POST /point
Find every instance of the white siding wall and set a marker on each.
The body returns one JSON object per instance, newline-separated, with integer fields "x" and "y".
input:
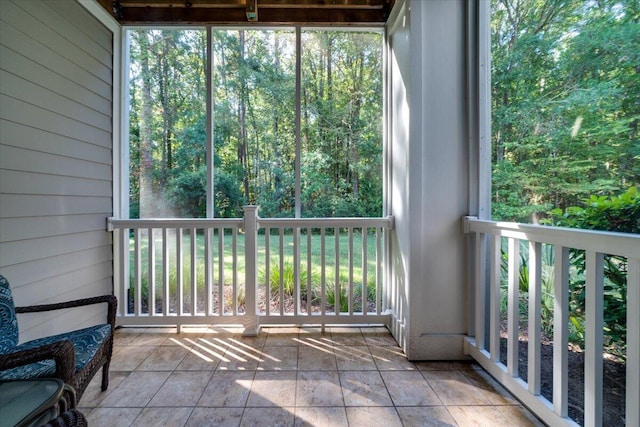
{"x": 55, "y": 158}
{"x": 430, "y": 179}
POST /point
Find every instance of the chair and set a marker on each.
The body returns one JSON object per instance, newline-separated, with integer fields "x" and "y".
{"x": 74, "y": 357}
{"x": 72, "y": 418}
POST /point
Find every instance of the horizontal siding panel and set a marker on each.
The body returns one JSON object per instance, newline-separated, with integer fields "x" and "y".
{"x": 16, "y": 182}
{"x": 32, "y": 161}
{"x": 21, "y": 251}
{"x": 18, "y": 135}
{"x": 86, "y": 24}
{"x": 74, "y": 282}
{"x": 37, "y": 227}
{"x": 37, "y": 325}
{"x": 19, "y": 111}
{"x": 64, "y": 25}
{"x": 47, "y": 269}
{"x": 24, "y": 90}
{"x": 52, "y": 40}
{"x": 31, "y": 71}
{"x": 26, "y": 205}
{"x": 55, "y": 159}
{"x": 23, "y": 44}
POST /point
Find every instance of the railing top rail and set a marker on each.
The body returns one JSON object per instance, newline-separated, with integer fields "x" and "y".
{"x": 326, "y": 222}
{"x": 113, "y": 223}
{"x": 623, "y": 244}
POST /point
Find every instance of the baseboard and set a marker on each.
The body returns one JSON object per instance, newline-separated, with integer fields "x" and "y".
{"x": 436, "y": 347}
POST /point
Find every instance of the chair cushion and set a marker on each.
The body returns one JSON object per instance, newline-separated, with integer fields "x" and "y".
{"x": 86, "y": 342}
{"x": 8, "y": 319}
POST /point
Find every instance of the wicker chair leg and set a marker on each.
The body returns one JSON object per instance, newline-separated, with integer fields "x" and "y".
{"x": 105, "y": 376}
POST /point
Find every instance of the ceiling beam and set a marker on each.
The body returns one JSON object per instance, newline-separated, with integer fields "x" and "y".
{"x": 235, "y": 12}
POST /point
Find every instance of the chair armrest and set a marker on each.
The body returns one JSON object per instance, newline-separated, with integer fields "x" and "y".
{"x": 62, "y": 352}
{"x": 109, "y": 299}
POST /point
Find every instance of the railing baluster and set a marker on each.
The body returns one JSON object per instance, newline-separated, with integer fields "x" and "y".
{"x": 281, "y": 265}
{"x": 632, "y": 413}
{"x": 137, "y": 299}
{"x": 594, "y": 322}
{"x": 234, "y": 270}
{"x": 220, "y": 271}
{"x": 364, "y": 272}
{"x": 151, "y": 283}
{"x": 194, "y": 267}
{"x": 309, "y": 267}
{"x": 338, "y": 303}
{"x": 379, "y": 270}
{"x": 494, "y": 295}
{"x": 535, "y": 319}
{"x": 323, "y": 271}
{"x": 122, "y": 242}
{"x": 480, "y": 290}
{"x": 179, "y": 271}
{"x": 560, "y": 330}
{"x": 513, "y": 309}
{"x": 350, "y": 257}
{"x": 267, "y": 267}
{"x": 208, "y": 270}
{"x": 165, "y": 270}
{"x": 295, "y": 236}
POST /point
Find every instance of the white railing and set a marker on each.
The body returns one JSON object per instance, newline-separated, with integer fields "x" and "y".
{"x": 497, "y": 251}
{"x": 251, "y": 271}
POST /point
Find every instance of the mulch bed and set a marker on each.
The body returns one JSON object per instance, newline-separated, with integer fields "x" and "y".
{"x": 614, "y": 381}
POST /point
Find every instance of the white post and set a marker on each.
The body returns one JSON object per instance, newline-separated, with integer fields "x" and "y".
{"x": 251, "y": 326}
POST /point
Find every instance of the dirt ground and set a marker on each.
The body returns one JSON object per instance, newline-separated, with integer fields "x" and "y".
{"x": 614, "y": 379}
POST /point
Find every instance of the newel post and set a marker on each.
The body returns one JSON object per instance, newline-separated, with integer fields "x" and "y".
{"x": 251, "y": 327}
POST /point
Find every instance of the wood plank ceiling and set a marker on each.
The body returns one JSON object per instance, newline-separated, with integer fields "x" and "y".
{"x": 250, "y": 12}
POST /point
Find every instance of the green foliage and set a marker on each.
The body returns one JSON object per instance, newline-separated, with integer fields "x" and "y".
{"x": 523, "y": 285}
{"x": 565, "y": 122}
{"x": 343, "y": 299}
{"x": 254, "y": 122}
{"x": 287, "y": 275}
{"x": 565, "y": 103}
{"x": 616, "y": 213}
{"x": 187, "y": 192}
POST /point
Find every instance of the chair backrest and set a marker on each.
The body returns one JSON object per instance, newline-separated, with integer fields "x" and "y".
{"x": 8, "y": 319}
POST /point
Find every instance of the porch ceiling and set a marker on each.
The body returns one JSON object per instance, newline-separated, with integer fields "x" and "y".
{"x": 257, "y": 12}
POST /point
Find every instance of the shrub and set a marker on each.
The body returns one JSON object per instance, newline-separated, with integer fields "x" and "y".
{"x": 616, "y": 213}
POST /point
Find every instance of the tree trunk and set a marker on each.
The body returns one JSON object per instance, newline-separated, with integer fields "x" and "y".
{"x": 242, "y": 149}
{"x": 146, "y": 136}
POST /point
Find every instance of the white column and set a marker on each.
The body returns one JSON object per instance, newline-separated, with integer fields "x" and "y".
{"x": 251, "y": 327}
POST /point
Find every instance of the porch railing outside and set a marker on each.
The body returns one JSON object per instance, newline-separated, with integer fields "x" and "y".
{"x": 495, "y": 247}
{"x": 251, "y": 271}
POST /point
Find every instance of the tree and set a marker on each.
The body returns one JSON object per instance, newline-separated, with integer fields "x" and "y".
{"x": 565, "y": 103}
{"x": 254, "y": 79}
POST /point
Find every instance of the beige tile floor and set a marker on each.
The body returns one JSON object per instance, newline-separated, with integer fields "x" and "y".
{"x": 289, "y": 377}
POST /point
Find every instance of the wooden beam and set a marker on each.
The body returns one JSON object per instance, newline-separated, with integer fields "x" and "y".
{"x": 286, "y": 4}
{"x": 235, "y": 12}
{"x": 182, "y": 16}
